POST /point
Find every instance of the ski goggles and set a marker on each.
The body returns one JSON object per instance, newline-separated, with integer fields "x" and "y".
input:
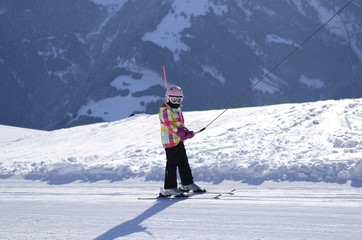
{"x": 175, "y": 99}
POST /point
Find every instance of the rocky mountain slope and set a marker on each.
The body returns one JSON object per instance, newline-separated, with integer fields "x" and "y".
{"x": 65, "y": 63}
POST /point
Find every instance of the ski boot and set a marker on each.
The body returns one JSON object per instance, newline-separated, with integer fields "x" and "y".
{"x": 192, "y": 187}
{"x": 172, "y": 193}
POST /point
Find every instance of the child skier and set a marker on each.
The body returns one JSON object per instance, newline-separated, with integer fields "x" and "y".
{"x": 173, "y": 134}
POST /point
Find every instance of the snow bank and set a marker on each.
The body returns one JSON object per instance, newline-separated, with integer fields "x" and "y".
{"x": 318, "y": 142}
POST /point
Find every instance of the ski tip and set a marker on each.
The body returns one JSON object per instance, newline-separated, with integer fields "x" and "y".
{"x": 232, "y": 191}
{"x": 217, "y": 196}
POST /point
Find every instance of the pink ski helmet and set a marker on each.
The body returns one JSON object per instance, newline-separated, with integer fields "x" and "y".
{"x": 174, "y": 94}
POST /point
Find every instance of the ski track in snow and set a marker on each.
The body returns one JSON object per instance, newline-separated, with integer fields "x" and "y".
{"x": 318, "y": 142}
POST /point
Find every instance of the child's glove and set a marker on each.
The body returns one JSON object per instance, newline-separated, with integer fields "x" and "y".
{"x": 184, "y": 134}
{"x": 190, "y": 134}
{"x": 181, "y": 132}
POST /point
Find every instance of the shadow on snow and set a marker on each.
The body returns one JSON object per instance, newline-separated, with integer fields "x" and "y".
{"x": 135, "y": 225}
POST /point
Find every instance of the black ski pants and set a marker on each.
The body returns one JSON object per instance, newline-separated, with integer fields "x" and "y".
{"x": 177, "y": 159}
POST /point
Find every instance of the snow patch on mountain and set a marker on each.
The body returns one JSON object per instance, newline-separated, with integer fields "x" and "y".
{"x": 272, "y": 38}
{"x": 119, "y": 107}
{"x": 299, "y": 6}
{"x": 336, "y": 26}
{"x": 214, "y": 73}
{"x": 249, "y": 9}
{"x": 271, "y": 84}
{"x": 115, "y": 108}
{"x": 112, "y": 6}
{"x": 126, "y": 82}
{"x": 245, "y": 10}
{"x": 342, "y": 26}
{"x": 169, "y": 31}
{"x": 314, "y": 83}
{"x": 50, "y": 51}
{"x": 128, "y": 64}
{"x": 356, "y": 49}
{"x": 118, "y": 3}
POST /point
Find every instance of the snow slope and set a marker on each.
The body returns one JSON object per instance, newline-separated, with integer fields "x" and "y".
{"x": 318, "y": 142}
{"x": 80, "y": 196}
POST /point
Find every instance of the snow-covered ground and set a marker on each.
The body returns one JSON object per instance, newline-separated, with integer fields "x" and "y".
{"x": 297, "y": 169}
{"x": 105, "y": 211}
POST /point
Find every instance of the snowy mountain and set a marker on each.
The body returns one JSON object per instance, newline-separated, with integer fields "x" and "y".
{"x": 316, "y": 142}
{"x": 66, "y": 63}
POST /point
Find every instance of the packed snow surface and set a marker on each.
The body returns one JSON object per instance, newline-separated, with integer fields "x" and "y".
{"x": 317, "y": 142}
{"x": 109, "y": 211}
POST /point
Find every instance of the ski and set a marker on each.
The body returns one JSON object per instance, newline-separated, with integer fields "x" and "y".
{"x": 190, "y": 196}
{"x": 231, "y": 192}
{"x": 194, "y": 195}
